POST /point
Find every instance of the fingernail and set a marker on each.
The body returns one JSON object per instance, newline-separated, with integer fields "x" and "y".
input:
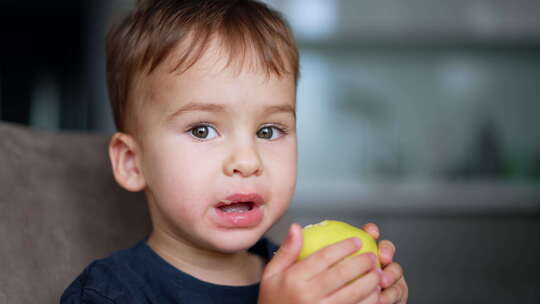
{"x": 357, "y": 242}
{"x": 387, "y": 252}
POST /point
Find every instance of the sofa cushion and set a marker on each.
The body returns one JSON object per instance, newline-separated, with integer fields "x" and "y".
{"x": 60, "y": 208}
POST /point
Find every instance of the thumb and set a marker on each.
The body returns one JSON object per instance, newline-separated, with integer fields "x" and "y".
{"x": 287, "y": 253}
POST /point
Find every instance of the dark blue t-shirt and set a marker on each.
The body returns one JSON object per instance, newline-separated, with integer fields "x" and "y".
{"x": 138, "y": 275}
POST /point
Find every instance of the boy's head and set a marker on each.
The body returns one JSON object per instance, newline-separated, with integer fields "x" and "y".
{"x": 203, "y": 92}
{"x": 250, "y": 35}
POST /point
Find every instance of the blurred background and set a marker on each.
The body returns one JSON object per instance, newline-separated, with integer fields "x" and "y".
{"x": 419, "y": 115}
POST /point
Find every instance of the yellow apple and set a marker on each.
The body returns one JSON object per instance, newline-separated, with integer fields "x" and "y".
{"x": 318, "y": 236}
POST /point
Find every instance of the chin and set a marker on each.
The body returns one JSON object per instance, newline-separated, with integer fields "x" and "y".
{"x": 235, "y": 241}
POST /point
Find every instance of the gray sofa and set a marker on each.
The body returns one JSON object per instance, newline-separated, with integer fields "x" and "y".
{"x": 59, "y": 209}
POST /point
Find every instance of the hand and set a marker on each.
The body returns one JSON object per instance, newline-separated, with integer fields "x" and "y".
{"x": 395, "y": 290}
{"x": 322, "y": 278}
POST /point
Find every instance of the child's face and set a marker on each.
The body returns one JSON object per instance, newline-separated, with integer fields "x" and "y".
{"x": 211, "y": 133}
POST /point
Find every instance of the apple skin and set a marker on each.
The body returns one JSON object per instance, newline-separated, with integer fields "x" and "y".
{"x": 318, "y": 236}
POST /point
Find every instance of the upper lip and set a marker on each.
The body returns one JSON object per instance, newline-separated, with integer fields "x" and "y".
{"x": 242, "y": 198}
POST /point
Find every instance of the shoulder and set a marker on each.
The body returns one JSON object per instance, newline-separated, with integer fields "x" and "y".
{"x": 79, "y": 292}
{"x": 108, "y": 280}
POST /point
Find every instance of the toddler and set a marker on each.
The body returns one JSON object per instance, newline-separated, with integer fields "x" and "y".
{"x": 204, "y": 99}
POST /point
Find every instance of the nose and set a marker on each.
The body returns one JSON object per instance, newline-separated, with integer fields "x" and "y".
{"x": 243, "y": 159}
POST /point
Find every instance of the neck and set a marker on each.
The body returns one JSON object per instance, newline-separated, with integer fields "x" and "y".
{"x": 215, "y": 267}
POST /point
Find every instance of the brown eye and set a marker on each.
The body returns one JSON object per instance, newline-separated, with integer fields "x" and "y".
{"x": 265, "y": 133}
{"x": 204, "y": 132}
{"x": 200, "y": 132}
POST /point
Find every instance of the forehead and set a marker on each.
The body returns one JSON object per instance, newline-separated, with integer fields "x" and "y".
{"x": 220, "y": 58}
{"x": 213, "y": 78}
{"x": 218, "y": 75}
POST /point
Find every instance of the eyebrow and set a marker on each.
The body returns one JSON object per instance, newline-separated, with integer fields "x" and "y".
{"x": 219, "y": 108}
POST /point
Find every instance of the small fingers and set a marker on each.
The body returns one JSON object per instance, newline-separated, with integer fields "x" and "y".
{"x": 387, "y": 250}
{"x": 391, "y": 274}
{"x": 396, "y": 294}
{"x": 325, "y": 258}
{"x": 373, "y": 298}
{"x": 372, "y": 229}
{"x": 343, "y": 273}
{"x": 358, "y": 291}
{"x": 287, "y": 254}
{"x": 404, "y": 291}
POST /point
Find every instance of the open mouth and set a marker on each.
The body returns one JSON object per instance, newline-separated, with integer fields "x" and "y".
{"x": 240, "y": 210}
{"x": 236, "y": 207}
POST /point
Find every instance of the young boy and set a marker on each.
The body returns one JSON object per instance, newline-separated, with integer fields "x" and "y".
{"x": 204, "y": 96}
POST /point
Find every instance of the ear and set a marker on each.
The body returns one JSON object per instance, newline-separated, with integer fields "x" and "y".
{"x": 124, "y": 154}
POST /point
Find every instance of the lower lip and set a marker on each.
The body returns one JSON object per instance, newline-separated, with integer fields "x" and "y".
{"x": 246, "y": 219}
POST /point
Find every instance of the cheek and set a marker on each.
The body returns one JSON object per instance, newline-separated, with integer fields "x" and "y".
{"x": 281, "y": 166}
{"x": 282, "y": 158}
{"x": 178, "y": 177}
{"x": 291, "y": 169}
